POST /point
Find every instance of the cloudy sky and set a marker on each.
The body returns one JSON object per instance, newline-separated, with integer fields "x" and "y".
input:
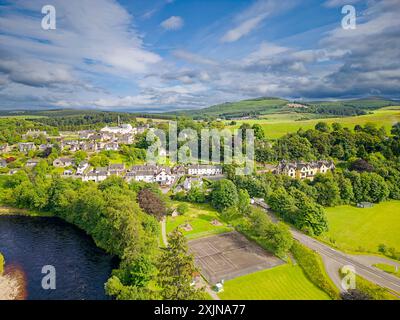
{"x": 157, "y": 55}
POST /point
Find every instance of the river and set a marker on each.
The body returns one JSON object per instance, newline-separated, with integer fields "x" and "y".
{"x": 29, "y": 243}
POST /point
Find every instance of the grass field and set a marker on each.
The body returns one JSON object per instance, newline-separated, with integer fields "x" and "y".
{"x": 362, "y": 230}
{"x": 388, "y": 268}
{"x": 199, "y": 216}
{"x": 277, "y": 125}
{"x": 286, "y": 282}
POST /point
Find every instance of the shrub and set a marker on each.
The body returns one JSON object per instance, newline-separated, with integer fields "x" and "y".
{"x": 368, "y": 290}
{"x": 313, "y": 267}
{"x": 1, "y": 264}
{"x": 151, "y": 203}
{"x": 182, "y": 208}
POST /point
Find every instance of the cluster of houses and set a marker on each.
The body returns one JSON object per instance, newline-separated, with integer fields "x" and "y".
{"x": 89, "y": 146}
{"x": 303, "y": 170}
{"x": 34, "y": 134}
{"x": 162, "y": 175}
{"x": 108, "y": 139}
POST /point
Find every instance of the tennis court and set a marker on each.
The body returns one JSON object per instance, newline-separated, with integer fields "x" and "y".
{"x": 230, "y": 255}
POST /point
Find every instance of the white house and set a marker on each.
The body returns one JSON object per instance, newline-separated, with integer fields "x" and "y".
{"x": 3, "y": 163}
{"x": 141, "y": 175}
{"x": 63, "y": 162}
{"x": 4, "y": 148}
{"x": 125, "y": 139}
{"x": 164, "y": 176}
{"x": 116, "y": 169}
{"x": 191, "y": 181}
{"x": 204, "y": 170}
{"x": 44, "y": 147}
{"x": 26, "y": 147}
{"x": 112, "y": 146}
{"x": 33, "y": 134}
{"x": 68, "y": 173}
{"x": 97, "y": 175}
{"x": 31, "y": 163}
{"x": 81, "y": 168}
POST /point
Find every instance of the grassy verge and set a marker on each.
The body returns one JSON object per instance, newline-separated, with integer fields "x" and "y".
{"x": 371, "y": 290}
{"x": 313, "y": 267}
{"x": 388, "y": 268}
{"x": 23, "y": 212}
{"x": 285, "y": 282}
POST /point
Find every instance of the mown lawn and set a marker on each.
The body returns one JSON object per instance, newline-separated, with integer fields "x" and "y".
{"x": 357, "y": 229}
{"x": 286, "y": 282}
{"x": 199, "y": 216}
{"x": 388, "y": 268}
{"x": 275, "y": 126}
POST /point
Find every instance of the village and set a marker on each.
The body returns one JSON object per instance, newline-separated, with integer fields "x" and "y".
{"x": 110, "y": 140}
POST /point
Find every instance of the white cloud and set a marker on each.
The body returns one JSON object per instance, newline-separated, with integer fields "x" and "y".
{"x": 251, "y": 18}
{"x": 338, "y": 3}
{"x": 103, "y": 37}
{"x": 173, "y": 23}
{"x": 243, "y": 29}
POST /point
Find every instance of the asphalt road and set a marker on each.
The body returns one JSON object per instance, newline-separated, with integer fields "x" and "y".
{"x": 334, "y": 258}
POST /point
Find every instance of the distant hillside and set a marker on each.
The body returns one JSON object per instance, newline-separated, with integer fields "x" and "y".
{"x": 242, "y": 108}
{"x": 266, "y": 105}
{"x": 72, "y": 119}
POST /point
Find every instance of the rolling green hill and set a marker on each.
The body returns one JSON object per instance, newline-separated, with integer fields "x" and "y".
{"x": 238, "y": 109}
{"x": 268, "y": 105}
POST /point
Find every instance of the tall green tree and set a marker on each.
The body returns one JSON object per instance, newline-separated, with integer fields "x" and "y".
{"x": 224, "y": 195}
{"x": 177, "y": 270}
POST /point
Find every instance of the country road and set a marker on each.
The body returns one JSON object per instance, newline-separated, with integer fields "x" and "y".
{"x": 334, "y": 259}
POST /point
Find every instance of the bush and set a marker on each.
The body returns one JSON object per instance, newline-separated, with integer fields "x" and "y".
{"x": 224, "y": 195}
{"x": 313, "y": 267}
{"x": 182, "y": 208}
{"x": 152, "y": 203}
{"x": 1, "y": 264}
{"x": 275, "y": 238}
{"x": 368, "y": 290}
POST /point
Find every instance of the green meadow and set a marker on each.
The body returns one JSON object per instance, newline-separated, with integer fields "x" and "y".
{"x": 364, "y": 229}
{"x": 286, "y": 282}
{"x": 277, "y": 125}
{"x": 200, "y": 217}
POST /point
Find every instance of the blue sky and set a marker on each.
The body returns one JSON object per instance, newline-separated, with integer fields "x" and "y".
{"x": 178, "y": 54}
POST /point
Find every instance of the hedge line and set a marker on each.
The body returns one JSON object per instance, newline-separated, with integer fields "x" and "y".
{"x": 312, "y": 265}
{"x": 371, "y": 290}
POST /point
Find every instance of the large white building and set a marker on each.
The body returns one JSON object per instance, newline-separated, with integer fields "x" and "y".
{"x": 151, "y": 173}
{"x": 121, "y": 129}
{"x": 204, "y": 170}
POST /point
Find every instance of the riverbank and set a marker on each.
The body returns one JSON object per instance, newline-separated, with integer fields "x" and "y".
{"x": 12, "y": 282}
{"x": 11, "y": 286}
{"x": 4, "y": 210}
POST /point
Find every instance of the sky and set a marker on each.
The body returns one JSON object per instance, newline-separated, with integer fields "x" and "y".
{"x": 164, "y": 55}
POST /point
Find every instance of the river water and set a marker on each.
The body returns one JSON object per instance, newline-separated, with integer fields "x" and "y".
{"x": 29, "y": 243}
